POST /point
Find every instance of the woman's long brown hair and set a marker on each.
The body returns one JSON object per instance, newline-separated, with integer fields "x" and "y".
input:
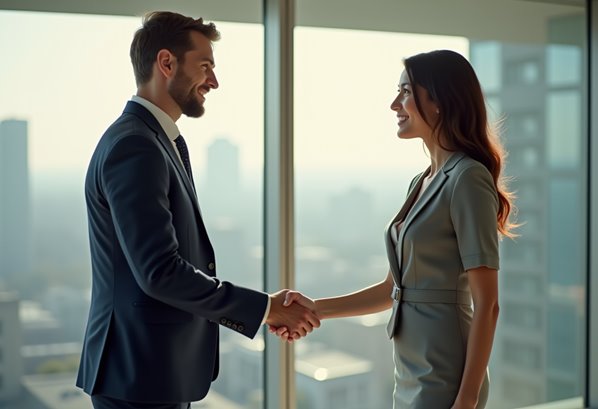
{"x": 462, "y": 123}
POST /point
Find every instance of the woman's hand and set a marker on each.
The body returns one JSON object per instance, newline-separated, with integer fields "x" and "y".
{"x": 296, "y": 296}
{"x": 293, "y": 297}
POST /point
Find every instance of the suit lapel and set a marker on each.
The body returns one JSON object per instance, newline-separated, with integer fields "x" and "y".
{"x": 390, "y": 247}
{"x": 139, "y": 111}
{"x": 410, "y": 211}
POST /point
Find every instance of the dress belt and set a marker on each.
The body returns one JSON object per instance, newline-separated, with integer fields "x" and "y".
{"x": 430, "y": 296}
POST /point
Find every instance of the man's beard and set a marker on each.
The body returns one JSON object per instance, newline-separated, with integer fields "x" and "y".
{"x": 185, "y": 98}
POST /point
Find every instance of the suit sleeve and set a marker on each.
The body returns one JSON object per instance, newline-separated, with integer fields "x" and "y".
{"x": 135, "y": 180}
{"x": 474, "y": 209}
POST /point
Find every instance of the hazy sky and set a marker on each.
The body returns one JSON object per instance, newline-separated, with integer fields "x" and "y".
{"x": 70, "y": 76}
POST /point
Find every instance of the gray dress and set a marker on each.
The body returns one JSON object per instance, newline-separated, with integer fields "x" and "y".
{"x": 451, "y": 228}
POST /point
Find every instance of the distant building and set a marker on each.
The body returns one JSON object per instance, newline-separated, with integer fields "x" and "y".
{"x": 221, "y": 185}
{"x": 46, "y": 344}
{"x": 70, "y": 306}
{"x": 328, "y": 378}
{"x": 58, "y": 391}
{"x": 350, "y": 215}
{"x": 241, "y": 363}
{"x": 540, "y": 89}
{"x": 11, "y": 366}
{"x": 228, "y": 239}
{"x": 53, "y": 391}
{"x": 365, "y": 337}
{"x": 15, "y": 218}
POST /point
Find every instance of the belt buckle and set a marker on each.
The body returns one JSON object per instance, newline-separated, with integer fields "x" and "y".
{"x": 397, "y": 294}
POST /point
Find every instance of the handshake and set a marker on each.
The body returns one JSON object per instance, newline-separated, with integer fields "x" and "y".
{"x": 292, "y": 315}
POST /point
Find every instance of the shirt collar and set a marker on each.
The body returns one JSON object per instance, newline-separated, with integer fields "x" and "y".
{"x": 165, "y": 121}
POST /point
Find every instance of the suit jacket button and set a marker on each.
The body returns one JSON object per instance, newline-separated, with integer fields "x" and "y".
{"x": 211, "y": 266}
{"x": 240, "y": 328}
{"x": 234, "y": 327}
{"x": 223, "y": 321}
{"x": 229, "y": 323}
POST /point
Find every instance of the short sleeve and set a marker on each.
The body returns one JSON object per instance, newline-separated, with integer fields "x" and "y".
{"x": 474, "y": 210}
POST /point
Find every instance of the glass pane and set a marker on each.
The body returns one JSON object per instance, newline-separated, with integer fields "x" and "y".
{"x": 60, "y": 91}
{"x": 563, "y": 115}
{"x": 563, "y": 64}
{"x": 352, "y": 177}
{"x": 538, "y": 350}
{"x": 488, "y": 54}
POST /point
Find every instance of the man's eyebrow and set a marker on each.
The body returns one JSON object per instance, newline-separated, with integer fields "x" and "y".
{"x": 210, "y": 60}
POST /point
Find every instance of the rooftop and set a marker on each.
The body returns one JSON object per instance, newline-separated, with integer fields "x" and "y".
{"x": 58, "y": 391}
{"x": 327, "y": 364}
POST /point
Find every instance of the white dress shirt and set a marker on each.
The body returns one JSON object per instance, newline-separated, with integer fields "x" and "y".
{"x": 165, "y": 121}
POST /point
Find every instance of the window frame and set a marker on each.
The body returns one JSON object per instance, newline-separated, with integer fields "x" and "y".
{"x": 591, "y": 370}
{"x": 278, "y": 17}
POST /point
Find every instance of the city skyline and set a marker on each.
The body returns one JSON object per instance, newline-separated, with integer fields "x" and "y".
{"x": 46, "y": 320}
{"x": 64, "y": 134}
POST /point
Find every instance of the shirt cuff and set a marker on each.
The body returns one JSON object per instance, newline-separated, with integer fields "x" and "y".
{"x": 267, "y": 310}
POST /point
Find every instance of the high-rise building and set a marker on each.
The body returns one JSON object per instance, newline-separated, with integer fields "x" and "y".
{"x": 219, "y": 199}
{"x": 221, "y": 185}
{"x": 223, "y": 163}
{"x": 538, "y": 89}
{"x": 15, "y": 218}
{"x": 11, "y": 368}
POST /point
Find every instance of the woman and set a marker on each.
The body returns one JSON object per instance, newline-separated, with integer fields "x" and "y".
{"x": 442, "y": 245}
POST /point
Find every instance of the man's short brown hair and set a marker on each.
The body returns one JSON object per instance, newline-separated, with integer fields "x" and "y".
{"x": 164, "y": 30}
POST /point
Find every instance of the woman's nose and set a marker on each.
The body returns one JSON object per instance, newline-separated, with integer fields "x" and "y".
{"x": 396, "y": 104}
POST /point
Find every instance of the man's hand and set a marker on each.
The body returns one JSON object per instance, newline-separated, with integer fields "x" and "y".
{"x": 297, "y": 320}
{"x": 293, "y": 299}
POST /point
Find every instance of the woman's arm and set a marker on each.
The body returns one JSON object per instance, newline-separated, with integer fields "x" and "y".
{"x": 483, "y": 282}
{"x": 369, "y": 300}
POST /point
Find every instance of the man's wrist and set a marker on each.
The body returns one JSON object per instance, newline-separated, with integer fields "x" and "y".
{"x": 267, "y": 311}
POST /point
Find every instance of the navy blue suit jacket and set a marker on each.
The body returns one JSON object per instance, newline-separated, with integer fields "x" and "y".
{"x": 152, "y": 333}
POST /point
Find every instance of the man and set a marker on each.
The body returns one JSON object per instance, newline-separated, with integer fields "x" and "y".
{"x": 152, "y": 335}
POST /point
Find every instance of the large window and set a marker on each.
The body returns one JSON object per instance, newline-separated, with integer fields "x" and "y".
{"x": 67, "y": 78}
{"x": 348, "y": 157}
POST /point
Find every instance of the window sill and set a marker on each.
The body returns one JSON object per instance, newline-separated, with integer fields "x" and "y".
{"x": 574, "y": 403}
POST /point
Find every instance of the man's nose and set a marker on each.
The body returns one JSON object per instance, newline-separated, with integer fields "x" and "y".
{"x": 212, "y": 80}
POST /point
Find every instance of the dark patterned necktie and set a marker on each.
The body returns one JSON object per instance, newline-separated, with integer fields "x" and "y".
{"x": 184, "y": 152}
